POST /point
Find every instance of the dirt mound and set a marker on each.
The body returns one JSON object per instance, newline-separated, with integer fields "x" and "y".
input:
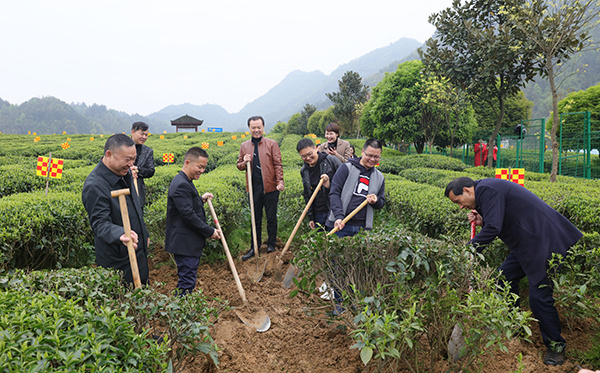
{"x": 303, "y": 336}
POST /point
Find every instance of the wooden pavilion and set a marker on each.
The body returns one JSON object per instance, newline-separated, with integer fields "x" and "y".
{"x": 186, "y": 121}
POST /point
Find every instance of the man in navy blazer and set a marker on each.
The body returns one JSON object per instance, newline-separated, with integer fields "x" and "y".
{"x": 113, "y": 172}
{"x": 533, "y": 231}
{"x": 187, "y": 229}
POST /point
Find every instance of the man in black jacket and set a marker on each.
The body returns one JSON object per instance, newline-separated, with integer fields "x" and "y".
{"x": 104, "y": 213}
{"x": 143, "y": 167}
{"x": 317, "y": 166}
{"x": 187, "y": 229}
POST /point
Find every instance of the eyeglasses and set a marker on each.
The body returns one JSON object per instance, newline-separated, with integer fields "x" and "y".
{"x": 305, "y": 156}
{"x": 371, "y": 156}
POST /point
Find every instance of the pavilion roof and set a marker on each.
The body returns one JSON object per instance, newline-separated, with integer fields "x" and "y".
{"x": 186, "y": 119}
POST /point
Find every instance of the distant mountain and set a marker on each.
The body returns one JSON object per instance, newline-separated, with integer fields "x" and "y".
{"x": 299, "y": 88}
{"x": 51, "y": 115}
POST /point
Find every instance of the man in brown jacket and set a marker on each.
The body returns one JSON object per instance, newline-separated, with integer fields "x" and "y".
{"x": 267, "y": 179}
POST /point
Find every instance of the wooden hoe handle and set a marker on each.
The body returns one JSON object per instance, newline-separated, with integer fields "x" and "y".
{"x": 310, "y": 201}
{"x": 238, "y": 283}
{"x": 121, "y": 193}
{"x": 354, "y": 212}
{"x": 251, "y": 195}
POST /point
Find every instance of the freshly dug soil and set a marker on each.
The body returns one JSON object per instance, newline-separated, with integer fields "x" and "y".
{"x": 305, "y": 337}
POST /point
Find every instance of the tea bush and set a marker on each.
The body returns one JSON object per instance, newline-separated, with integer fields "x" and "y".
{"x": 422, "y": 207}
{"x": 139, "y": 317}
{"x": 44, "y": 332}
{"x": 407, "y": 291}
{"x": 396, "y": 164}
{"x": 41, "y": 231}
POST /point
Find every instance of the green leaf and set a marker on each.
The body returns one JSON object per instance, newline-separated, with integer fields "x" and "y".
{"x": 366, "y": 354}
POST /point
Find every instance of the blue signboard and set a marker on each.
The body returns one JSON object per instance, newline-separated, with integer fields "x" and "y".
{"x": 214, "y": 129}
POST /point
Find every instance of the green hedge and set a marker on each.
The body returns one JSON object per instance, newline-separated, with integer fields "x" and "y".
{"x": 394, "y": 165}
{"x": 44, "y": 332}
{"x": 86, "y": 320}
{"x": 41, "y": 231}
{"x": 422, "y": 207}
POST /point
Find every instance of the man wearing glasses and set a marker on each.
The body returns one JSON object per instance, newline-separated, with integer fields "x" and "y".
{"x": 355, "y": 181}
{"x": 317, "y": 166}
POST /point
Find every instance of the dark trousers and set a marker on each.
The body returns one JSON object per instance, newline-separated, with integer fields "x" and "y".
{"x": 541, "y": 301}
{"x": 269, "y": 202}
{"x": 347, "y": 231}
{"x": 187, "y": 268}
{"x": 320, "y": 218}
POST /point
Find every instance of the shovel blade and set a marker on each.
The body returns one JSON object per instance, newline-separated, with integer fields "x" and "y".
{"x": 256, "y": 272}
{"x": 290, "y": 275}
{"x": 258, "y": 320}
{"x": 456, "y": 344}
{"x": 278, "y": 269}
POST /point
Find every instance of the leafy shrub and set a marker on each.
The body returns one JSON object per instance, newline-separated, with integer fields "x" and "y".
{"x": 45, "y": 332}
{"x": 407, "y": 292}
{"x": 429, "y": 176}
{"x": 41, "y": 231}
{"x": 422, "y": 207}
{"x": 139, "y": 317}
{"x": 397, "y": 164}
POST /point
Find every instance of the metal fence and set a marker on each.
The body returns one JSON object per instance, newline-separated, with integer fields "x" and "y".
{"x": 579, "y": 145}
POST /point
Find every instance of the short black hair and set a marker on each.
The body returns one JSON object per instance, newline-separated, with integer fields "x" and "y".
{"x": 304, "y": 143}
{"x": 457, "y": 185}
{"x": 139, "y": 126}
{"x": 194, "y": 153}
{"x": 333, "y": 127}
{"x": 116, "y": 141}
{"x": 256, "y": 117}
{"x": 373, "y": 143}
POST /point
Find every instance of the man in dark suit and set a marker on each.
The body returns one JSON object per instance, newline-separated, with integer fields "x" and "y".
{"x": 187, "y": 229}
{"x": 144, "y": 163}
{"x": 533, "y": 231}
{"x": 113, "y": 173}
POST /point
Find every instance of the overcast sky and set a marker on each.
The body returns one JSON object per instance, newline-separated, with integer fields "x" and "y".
{"x": 139, "y": 56}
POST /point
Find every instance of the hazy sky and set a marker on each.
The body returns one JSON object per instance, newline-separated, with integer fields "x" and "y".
{"x": 140, "y": 56}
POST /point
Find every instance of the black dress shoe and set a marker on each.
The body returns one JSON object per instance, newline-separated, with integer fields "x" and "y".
{"x": 248, "y": 255}
{"x": 554, "y": 358}
{"x": 271, "y": 249}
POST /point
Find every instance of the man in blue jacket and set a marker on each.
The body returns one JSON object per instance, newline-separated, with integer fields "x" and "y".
{"x": 533, "y": 231}
{"x": 187, "y": 229}
{"x": 355, "y": 181}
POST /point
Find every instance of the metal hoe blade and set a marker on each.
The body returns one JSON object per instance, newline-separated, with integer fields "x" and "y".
{"x": 259, "y": 320}
{"x": 256, "y": 272}
{"x": 290, "y": 275}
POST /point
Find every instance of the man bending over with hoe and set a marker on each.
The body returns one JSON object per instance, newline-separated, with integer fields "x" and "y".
{"x": 533, "y": 231}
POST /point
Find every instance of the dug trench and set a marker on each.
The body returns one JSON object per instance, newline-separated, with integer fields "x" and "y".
{"x": 305, "y": 336}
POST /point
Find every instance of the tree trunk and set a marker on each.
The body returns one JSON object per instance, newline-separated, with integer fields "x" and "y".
{"x": 419, "y": 145}
{"x": 451, "y": 129}
{"x": 555, "y": 120}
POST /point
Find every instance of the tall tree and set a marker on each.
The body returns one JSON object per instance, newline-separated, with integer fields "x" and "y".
{"x": 452, "y": 105}
{"x": 351, "y": 93}
{"x": 516, "y": 108}
{"x": 319, "y": 119}
{"x": 298, "y": 123}
{"x": 555, "y": 30}
{"x": 473, "y": 48}
{"x": 393, "y": 113}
